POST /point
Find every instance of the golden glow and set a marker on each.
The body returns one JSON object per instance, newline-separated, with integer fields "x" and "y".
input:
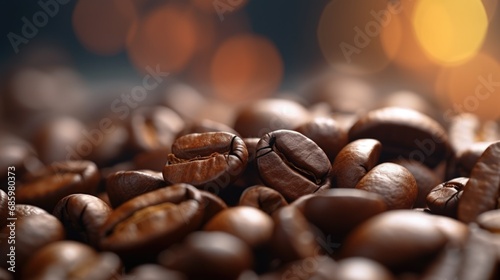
{"x": 450, "y": 31}
{"x": 246, "y": 67}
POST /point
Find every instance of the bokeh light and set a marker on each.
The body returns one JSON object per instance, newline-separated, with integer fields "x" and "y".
{"x": 246, "y": 67}
{"x": 450, "y": 31}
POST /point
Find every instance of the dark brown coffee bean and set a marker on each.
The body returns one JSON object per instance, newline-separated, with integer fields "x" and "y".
{"x": 404, "y": 133}
{"x": 209, "y": 255}
{"x": 426, "y": 179}
{"x": 293, "y": 239}
{"x": 212, "y": 205}
{"x": 154, "y": 272}
{"x": 326, "y": 133}
{"x": 72, "y": 260}
{"x": 250, "y": 176}
{"x": 249, "y": 224}
{"x": 56, "y": 181}
{"x": 443, "y": 199}
{"x": 152, "y": 128}
{"x": 338, "y": 211}
{"x": 396, "y": 239}
{"x": 264, "y": 116}
{"x": 82, "y": 216}
{"x": 456, "y": 231}
{"x": 360, "y": 269}
{"x": 490, "y": 221}
{"x": 205, "y": 125}
{"x": 110, "y": 139}
{"x": 149, "y": 223}
{"x": 393, "y": 182}
{"x": 292, "y": 164}
{"x": 31, "y": 234}
{"x": 354, "y": 161}
{"x": 125, "y": 185}
{"x": 482, "y": 191}
{"x": 263, "y": 198}
{"x": 317, "y": 268}
{"x": 208, "y": 161}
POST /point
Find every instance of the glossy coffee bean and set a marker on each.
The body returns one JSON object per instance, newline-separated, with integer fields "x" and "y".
{"x": 151, "y": 128}
{"x": 263, "y": 198}
{"x": 72, "y": 260}
{"x": 394, "y": 183}
{"x": 396, "y": 239}
{"x": 154, "y": 272}
{"x": 125, "y": 185}
{"x": 149, "y": 223}
{"x": 338, "y": 211}
{"x": 404, "y": 133}
{"x": 327, "y": 133}
{"x": 293, "y": 238}
{"x": 361, "y": 269}
{"x": 490, "y": 221}
{"x": 24, "y": 210}
{"x": 292, "y": 164}
{"x": 264, "y": 116}
{"x": 208, "y": 161}
{"x": 209, "y": 255}
{"x": 444, "y": 198}
{"x": 454, "y": 230}
{"x": 56, "y": 181}
{"x": 82, "y": 216}
{"x": 354, "y": 161}
{"x": 249, "y": 224}
{"x": 482, "y": 191}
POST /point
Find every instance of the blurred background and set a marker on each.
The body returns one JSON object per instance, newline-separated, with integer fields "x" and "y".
{"x": 88, "y": 52}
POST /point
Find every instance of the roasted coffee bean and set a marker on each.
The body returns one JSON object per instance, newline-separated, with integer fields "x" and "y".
{"x": 149, "y": 223}
{"x": 263, "y": 198}
{"x": 446, "y": 265}
{"x": 125, "y": 185}
{"x": 426, "y": 179}
{"x": 327, "y": 133}
{"x": 456, "y": 231}
{"x": 56, "y": 181}
{"x": 209, "y": 255}
{"x": 155, "y": 272}
{"x": 209, "y": 161}
{"x": 396, "y": 239}
{"x": 360, "y": 269}
{"x": 152, "y": 128}
{"x": 469, "y": 156}
{"x": 293, "y": 238}
{"x": 212, "y": 205}
{"x": 338, "y": 211}
{"x": 249, "y": 224}
{"x": 82, "y": 216}
{"x": 490, "y": 221}
{"x": 443, "y": 199}
{"x": 479, "y": 260}
{"x": 317, "y": 268}
{"x": 292, "y": 164}
{"x": 110, "y": 139}
{"x": 264, "y": 116}
{"x": 414, "y": 101}
{"x": 404, "y": 133}
{"x": 31, "y": 234}
{"x": 205, "y": 125}
{"x": 482, "y": 191}
{"x": 72, "y": 260}
{"x": 24, "y": 210}
{"x": 354, "y": 161}
{"x": 393, "y": 182}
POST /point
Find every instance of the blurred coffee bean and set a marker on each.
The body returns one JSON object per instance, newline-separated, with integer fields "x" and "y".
{"x": 454, "y": 230}
{"x": 149, "y": 223}
{"x": 354, "y": 161}
{"x": 56, "y": 181}
{"x": 426, "y": 179}
{"x": 414, "y": 101}
{"x": 393, "y": 182}
{"x": 249, "y": 224}
{"x": 469, "y": 156}
{"x": 152, "y": 160}
{"x": 462, "y": 131}
{"x": 293, "y": 239}
{"x": 72, "y": 260}
{"x": 209, "y": 255}
{"x": 360, "y": 269}
{"x": 263, "y": 198}
{"x": 314, "y": 268}
{"x": 446, "y": 265}
{"x": 109, "y": 138}
{"x": 250, "y": 175}
{"x": 292, "y": 164}
{"x": 208, "y": 161}
{"x": 154, "y": 272}
{"x": 338, "y": 211}
{"x": 479, "y": 259}
{"x": 211, "y": 205}
{"x": 396, "y": 239}
{"x": 31, "y": 234}
{"x": 24, "y": 210}
{"x": 82, "y": 216}
{"x": 263, "y": 116}
{"x": 152, "y": 128}
{"x": 490, "y": 221}
{"x": 18, "y": 154}
{"x": 404, "y": 133}
{"x": 326, "y": 133}
{"x": 125, "y": 185}
{"x": 184, "y": 100}
{"x": 482, "y": 191}
{"x": 443, "y": 199}
{"x": 205, "y": 125}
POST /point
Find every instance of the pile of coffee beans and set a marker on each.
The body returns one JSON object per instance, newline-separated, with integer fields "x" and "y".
{"x": 302, "y": 187}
